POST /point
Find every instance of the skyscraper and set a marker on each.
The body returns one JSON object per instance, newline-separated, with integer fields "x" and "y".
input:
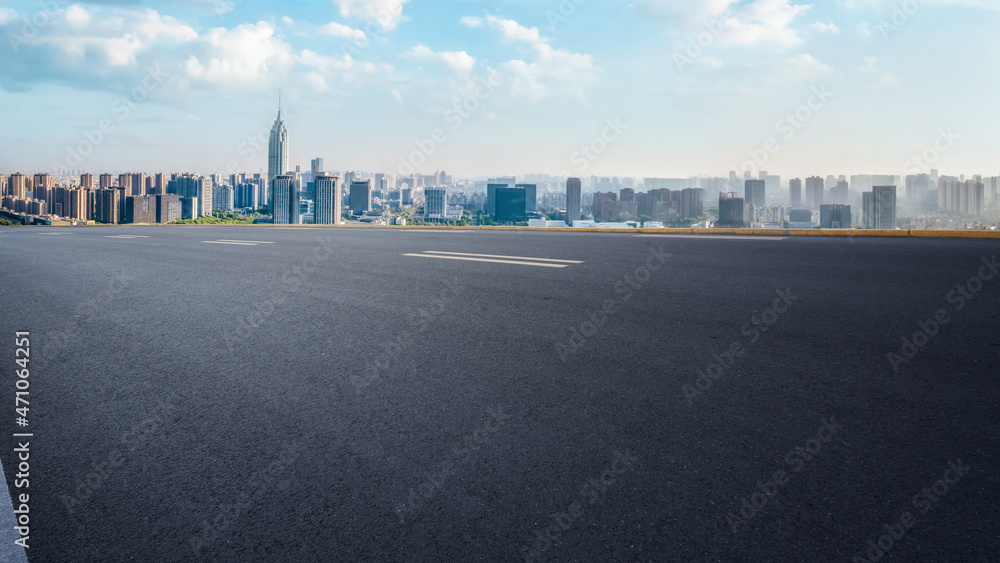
{"x": 435, "y": 204}
{"x": 284, "y": 200}
{"x": 531, "y": 193}
{"x": 328, "y": 211}
{"x": 574, "y": 204}
{"x": 754, "y": 193}
{"x": 814, "y": 192}
{"x": 511, "y": 204}
{"x": 795, "y": 192}
{"x": 278, "y": 161}
{"x": 361, "y": 196}
{"x": 731, "y": 210}
{"x": 881, "y": 210}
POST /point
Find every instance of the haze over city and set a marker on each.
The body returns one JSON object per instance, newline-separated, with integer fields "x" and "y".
{"x": 696, "y": 86}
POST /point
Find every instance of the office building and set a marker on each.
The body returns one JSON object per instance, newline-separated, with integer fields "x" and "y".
{"x": 691, "y": 203}
{"x": 574, "y": 206}
{"x": 754, "y": 193}
{"x": 278, "y": 149}
{"x": 531, "y": 195}
{"x": 285, "y": 200}
{"x": 435, "y": 204}
{"x": 189, "y": 207}
{"x": 800, "y": 219}
{"x": 814, "y": 192}
{"x": 511, "y": 205}
{"x": 795, "y": 192}
{"x": 328, "y": 209}
{"x": 879, "y": 208}
{"x": 835, "y": 216}
{"x": 361, "y": 196}
{"x": 605, "y": 207}
{"x": 731, "y": 210}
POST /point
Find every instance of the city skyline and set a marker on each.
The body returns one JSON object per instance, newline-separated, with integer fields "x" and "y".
{"x": 191, "y": 86}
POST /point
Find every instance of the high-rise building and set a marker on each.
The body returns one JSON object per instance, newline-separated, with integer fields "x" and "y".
{"x": 140, "y": 209}
{"x": 880, "y": 208}
{"x": 435, "y": 204}
{"x": 835, "y": 216}
{"x": 730, "y": 210}
{"x": 278, "y": 149}
{"x": 691, "y": 204}
{"x": 168, "y": 208}
{"x": 106, "y": 206}
{"x": 491, "y": 197}
{"x": 18, "y": 186}
{"x": 754, "y": 193}
{"x": 361, "y": 196}
{"x": 574, "y": 206}
{"x": 106, "y": 182}
{"x": 87, "y": 181}
{"x": 531, "y": 195}
{"x": 814, "y": 192}
{"x": 223, "y": 198}
{"x": 511, "y": 205}
{"x": 285, "y": 204}
{"x": 795, "y": 192}
{"x": 328, "y": 211}
{"x": 205, "y": 188}
{"x": 159, "y": 183}
{"x": 839, "y": 193}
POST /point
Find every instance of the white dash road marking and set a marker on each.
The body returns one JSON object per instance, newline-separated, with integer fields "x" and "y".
{"x": 126, "y": 236}
{"x": 233, "y": 243}
{"x": 470, "y": 259}
{"x": 253, "y": 241}
{"x": 507, "y": 257}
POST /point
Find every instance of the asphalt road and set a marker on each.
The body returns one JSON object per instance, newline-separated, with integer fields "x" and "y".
{"x": 346, "y": 395}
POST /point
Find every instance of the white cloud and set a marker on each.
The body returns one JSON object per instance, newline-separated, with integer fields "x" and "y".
{"x": 552, "y": 71}
{"x": 791, "y": 70}
{"x": 820, "y": 27}
{"x": 397, "y": 96}
{"x": 513, "y": 31}
{"x": 340, "y": 30}
{"x": 764, "y": 22}
{"x": 287, "y": 20}
{"x": 459, "y": 61}
{"x": 240, "y": 56}
{"x": 386, "y": 13}
{"x": 472, "y": 21}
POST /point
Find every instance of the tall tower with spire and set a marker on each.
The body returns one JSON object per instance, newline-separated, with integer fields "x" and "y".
{"x": 278, "y": 161}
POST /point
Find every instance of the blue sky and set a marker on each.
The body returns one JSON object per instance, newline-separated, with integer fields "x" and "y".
{"x": 186, "y": 85}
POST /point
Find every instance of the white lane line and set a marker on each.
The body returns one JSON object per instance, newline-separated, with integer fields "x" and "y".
{"x": 234, "y": 243}
{"x": 53, "y": 234}
{"x": 126, "y": 236}
{"x": 468, "y": 259}
{"x": 9, "y": 551}
{"x": 508, "y": 257}
{"x": 253, "y": 241}
{"x": 716, "y": 237}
